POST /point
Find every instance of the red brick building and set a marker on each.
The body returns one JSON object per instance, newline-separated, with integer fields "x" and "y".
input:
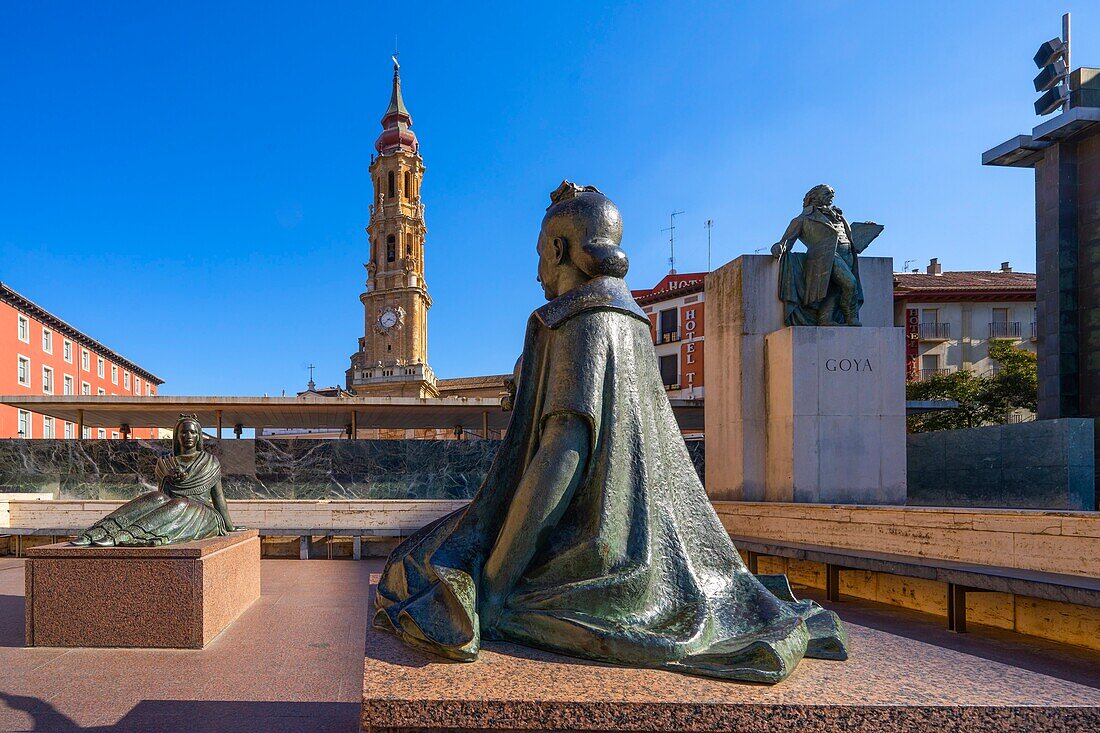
{"x": 42, "y": 354}
{"x": 675, "y": 310}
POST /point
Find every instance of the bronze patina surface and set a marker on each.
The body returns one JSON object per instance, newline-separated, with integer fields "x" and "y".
{"x": 188, "y": 504}
{"x": 592, "y": 535}
{"x": 821, "y": 286}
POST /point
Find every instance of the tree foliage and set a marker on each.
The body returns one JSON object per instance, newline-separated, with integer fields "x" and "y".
{"x": 984, "y": 399}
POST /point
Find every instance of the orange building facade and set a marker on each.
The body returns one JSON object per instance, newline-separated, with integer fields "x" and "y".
{"x": 42, "y": 354}
{"x": 675, "y": 310}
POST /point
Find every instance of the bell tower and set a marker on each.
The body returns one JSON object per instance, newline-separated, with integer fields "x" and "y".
{"x": 392, "y": 359}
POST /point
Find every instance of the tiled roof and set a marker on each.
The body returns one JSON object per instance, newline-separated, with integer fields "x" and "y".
{"x": 965, "y": 280}
{"x": 493, "y": 380}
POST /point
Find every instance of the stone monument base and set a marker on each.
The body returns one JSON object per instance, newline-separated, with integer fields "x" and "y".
{"x": 836, "y": 415}
{"x": 891, "y": 683}
{"x": 177, "y": 596}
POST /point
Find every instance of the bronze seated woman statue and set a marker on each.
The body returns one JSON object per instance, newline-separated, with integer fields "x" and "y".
{"x": 592, "y": 535}
{"x": 188, "y": 503}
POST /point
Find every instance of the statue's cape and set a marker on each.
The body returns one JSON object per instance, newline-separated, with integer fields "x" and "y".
{"x": 637, "y": 569}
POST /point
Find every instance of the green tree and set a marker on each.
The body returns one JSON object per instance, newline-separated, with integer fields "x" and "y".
{"x": 985, "y": 399}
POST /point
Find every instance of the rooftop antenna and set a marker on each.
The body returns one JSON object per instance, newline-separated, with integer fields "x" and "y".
{"x": 905, "y": 265}
{"x": 709, "y": 224}
{"x": 672, "y": 241}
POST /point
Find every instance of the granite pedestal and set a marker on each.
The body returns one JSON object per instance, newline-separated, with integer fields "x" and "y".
{"x": 890, "y": 684}
{"x": 836, "y": 415}
{"x": 177, "y": 596}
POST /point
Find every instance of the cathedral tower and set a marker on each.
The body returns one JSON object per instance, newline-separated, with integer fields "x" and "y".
{"x": 392, "y": 359}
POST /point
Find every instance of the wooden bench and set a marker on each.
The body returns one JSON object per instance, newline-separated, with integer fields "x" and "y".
{"x": 961, "y": 578}
{"x": 305, "y": 537}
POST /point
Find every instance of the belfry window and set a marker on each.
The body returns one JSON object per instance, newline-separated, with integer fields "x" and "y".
{"x": 391, "y": 247}
{"x": 408, "y": 187}
{"x": 391, "y": 193}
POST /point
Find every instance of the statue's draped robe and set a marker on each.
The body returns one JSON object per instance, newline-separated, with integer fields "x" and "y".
{"x": 638, "y": 570}
{"x": 180, "y": 510}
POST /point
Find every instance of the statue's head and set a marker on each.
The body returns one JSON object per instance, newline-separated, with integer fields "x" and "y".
{"x": 580, "y": 236}
{"x": 819, "y": 195}
{"x": 187, "y": 435}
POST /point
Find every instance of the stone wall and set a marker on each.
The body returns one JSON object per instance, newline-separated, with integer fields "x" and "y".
{"x": 1045, "y": 464}
{"x": 261, "y": 469}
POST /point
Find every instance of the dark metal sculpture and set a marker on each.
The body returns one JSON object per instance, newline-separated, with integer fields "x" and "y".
{"x": 592, "y": 535}
{"x": 821, "y": 287}
{"x": 188, "y": 504}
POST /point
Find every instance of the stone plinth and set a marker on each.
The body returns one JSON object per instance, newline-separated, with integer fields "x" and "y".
{"x": 178, "y": 596}
{"x": 891, "y": 683}
{"x": 836, "y": 415}
{"x": 743, "y": 307}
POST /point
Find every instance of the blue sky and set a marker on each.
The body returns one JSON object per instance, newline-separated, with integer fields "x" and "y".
{"x": 188, "y": 182}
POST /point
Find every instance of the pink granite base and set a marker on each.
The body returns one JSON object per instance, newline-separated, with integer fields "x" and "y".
{"x": 891, "y": 683}
{"x": 179, "y": 596}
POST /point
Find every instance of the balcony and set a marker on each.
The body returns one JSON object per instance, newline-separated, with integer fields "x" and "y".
{"x": 1004, "y": 330}
{"x": 668, "y": 338}
{"x": 926, "y": 374}
{"x": 935, "y": 331}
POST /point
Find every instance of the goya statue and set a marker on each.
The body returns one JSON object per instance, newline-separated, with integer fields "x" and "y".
{"x": 188, "y": 503}
{"x": 591, "y": 535}
{"x": 821, "y": 287}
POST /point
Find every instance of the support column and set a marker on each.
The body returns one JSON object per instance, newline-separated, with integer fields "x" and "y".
{"x": 80, "y": 423}
{"x": 218, "y": 421}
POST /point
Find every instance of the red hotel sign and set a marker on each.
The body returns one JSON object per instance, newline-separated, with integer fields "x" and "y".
{"x": 912, "y": 342}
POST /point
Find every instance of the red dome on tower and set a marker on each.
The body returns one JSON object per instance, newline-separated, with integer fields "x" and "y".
{"x": 397, "y": 131}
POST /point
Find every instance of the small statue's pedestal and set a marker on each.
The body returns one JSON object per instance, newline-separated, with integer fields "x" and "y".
{"x": 835, "y": 415}
{"x": 177, "y": 596}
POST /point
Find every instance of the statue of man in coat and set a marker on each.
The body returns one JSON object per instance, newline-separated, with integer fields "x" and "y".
{"x": 821, "y": 287}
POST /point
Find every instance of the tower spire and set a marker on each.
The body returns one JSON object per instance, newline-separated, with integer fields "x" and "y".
{"x": 396, "y": 122}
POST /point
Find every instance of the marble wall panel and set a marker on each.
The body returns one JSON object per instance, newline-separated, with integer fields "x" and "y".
{"x": 262, "y": 469}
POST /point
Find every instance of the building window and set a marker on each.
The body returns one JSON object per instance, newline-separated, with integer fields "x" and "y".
{"x": 47, "y": 427}
{"x": 24, "y": 371}
{"x": 47, "y": 380}
{"x": 137, "y": 385}
{"x": 408, "y": 186}
{"x": 67, "y": 351}
{"x": 126, "y": 380}
{"x": 24, "y": 330}
{"x": 85, "y": 388}
{"x": 391, "y": 248}
{"x": 670, "y": 327}
{"x": 114, "y": 435}
{"x": 70, "y": 429}
{"x": 24, "y": 424}
{"x": 114, "y": 374}
{"x": 101, "y": 433}
{"x": 86, "y": 433}
{"x": 391, "y": 186}
{"x": 85, "y": 364}
{"x": 67, "y": 384}
{"x": 101, "y": 392}
{"x": 670, "y": 370}
{"x": 47, "y": 341}
{"x": 99, "y": 366}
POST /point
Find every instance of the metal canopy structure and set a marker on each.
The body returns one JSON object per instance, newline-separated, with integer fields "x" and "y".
{"x": 472, "y": 413}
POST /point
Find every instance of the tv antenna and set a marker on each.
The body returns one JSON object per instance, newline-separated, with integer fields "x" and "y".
{"x": 905, "y": 265}
{"x": 709, "y": 224}
{"x": 672, "y": 241}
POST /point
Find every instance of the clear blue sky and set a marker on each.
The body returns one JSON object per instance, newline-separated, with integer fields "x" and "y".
{"x": 188, "y": 182}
